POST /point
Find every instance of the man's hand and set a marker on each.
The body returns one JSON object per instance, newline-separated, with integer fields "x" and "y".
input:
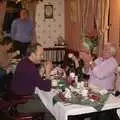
{"x": 87, "y": 58}
{"x": 92, "y": 64}
{"x": 48, "y": 67}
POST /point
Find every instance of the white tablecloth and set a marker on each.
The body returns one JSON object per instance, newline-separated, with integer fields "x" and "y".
{"x": 62, "y": 111}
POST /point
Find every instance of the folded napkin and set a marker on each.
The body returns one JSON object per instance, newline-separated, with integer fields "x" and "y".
{"x": 59, "y": 98}
{"x": 58, "y": 71}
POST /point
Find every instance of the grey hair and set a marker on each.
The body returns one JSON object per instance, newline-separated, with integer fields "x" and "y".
{"x": 112, "y": 49}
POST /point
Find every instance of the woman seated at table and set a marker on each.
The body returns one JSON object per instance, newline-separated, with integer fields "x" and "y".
{"x": 6, "y": 55}
{"x": 102, "y": 70}
{"x": 75, "y": 64}
{"x": 5, "y": 64}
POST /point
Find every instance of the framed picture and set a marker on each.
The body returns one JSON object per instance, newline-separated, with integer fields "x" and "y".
{"x": 48, "y": 11}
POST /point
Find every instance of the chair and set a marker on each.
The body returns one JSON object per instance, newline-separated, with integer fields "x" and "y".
{"x": 4, "y": 104}
{"x": 15, "y": 115}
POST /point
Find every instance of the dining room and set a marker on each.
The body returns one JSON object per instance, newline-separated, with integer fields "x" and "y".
{"x": 59, "y": 59}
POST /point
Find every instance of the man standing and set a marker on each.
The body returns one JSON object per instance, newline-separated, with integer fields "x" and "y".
{"x": 22, "y": 32}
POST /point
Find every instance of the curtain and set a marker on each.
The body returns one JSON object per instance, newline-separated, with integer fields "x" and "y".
{"x": 92, "y": 17}
{"x": 101, "y": 19}
{"x": 87, "y": 11}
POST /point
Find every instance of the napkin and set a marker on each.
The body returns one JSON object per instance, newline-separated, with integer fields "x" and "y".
{"x": 67, "y": 93}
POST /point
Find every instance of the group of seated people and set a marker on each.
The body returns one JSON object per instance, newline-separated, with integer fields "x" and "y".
{"x": 101, "y": 70}
{"x": 26, "y": 77}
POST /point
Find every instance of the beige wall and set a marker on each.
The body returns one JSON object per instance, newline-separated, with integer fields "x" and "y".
{"x": 114, "y": 34}
{"x": 48, "y": 30}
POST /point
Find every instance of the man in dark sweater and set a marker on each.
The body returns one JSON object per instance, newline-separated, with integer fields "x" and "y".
{"x": 27, "y": 77}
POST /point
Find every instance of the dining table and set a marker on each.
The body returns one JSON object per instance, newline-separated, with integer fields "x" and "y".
{"x": 61, "y": 110}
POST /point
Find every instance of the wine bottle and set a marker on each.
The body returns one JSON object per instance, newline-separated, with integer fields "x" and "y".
{"x": 79, "y": 71}
{"x": 70, "y": 67}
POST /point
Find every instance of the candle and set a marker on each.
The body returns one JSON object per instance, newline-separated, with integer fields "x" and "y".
{"x": 54, "y": 83}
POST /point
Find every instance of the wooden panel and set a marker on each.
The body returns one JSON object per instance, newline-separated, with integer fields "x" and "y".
{"x": 55, "y": 54}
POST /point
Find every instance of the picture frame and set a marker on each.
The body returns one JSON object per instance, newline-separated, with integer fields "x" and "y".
{"x": 48, "y": 11}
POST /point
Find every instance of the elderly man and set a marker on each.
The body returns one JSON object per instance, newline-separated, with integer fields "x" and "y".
{"x": 102, "y": 70}
{"x": 22, "y": 30}
{"x": 102, "y": 73}
{"x": 27, "y": 77}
